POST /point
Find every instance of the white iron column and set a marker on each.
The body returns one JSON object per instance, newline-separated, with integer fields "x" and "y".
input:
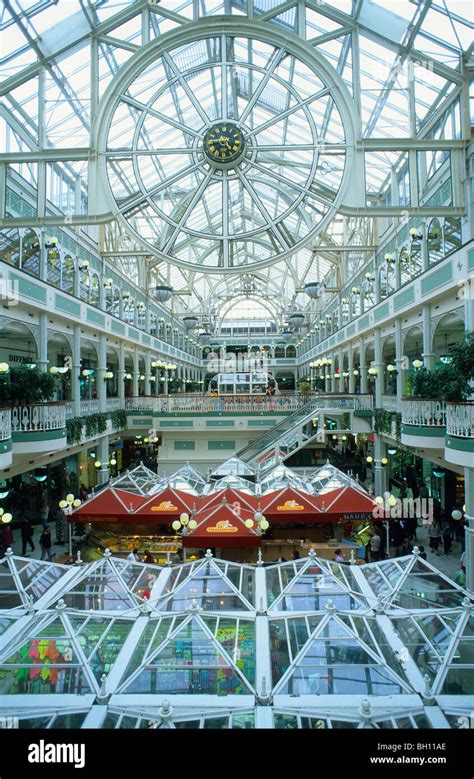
{"x": 350, "y": 363}
{"x": 379, "y": 366}
{"x": 147, "y": 373}
{"x": 121, "y": 375}
{"x": 400, "y": 363}
{"x": 76, "y": 370}
{"x": 363, "y": 367}
{"x": 101, "y": 369}
{"x": 43, "y": 341}
{"x": 469, "y": 530}
{"x": 103, "y": 457}
{"x": 380, "y": 471}
{"x": 428, "y": 355}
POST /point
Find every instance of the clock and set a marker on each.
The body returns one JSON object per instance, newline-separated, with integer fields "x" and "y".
{"x": 224, "y": 143}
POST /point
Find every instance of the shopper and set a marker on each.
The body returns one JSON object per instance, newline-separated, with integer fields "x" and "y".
{"x": 434, "y": 533}
{"x": 374, "y": 547}
{"x": 338, "y": 556}
{"x": 447, "y": 537}
{"x": 44, "y": 513}
{"x": 45, "y": 544}
{"x": 27, "y": 532}
{"x": 422, "y": 553}
{"x": 148, "y": 557}
{"x": 406, "y": 547}
{"x": 133, "y": 556}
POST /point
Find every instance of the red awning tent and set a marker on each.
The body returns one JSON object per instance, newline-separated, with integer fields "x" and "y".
{"x": 291, "y": 506}
{"x": 221, "y": 526}
{"x": 233, "y": 497}
{"x": 346, "y": 503}
{"x": 108, "y": 505}
{"x": 166, "y": 506}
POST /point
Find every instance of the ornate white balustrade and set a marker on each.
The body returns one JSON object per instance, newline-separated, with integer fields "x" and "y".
{"x": 114, "y": 404}
{"x": 89, "y": 407}
{"x": 423, "y": 413}
{"x": 194, "y": 403}
{"x": 32, "y": 419}
{"x": 69, "y": 407}
{"x": 5, "y": 424}
{"x": 389, "y": 402}
{"x": 460, "y": 420}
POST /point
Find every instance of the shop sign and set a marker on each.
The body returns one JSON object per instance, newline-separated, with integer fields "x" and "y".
{"x": 165, "y": 505}
{"x": 224, "y": 526}
{"x": 290, "y": 505}
{"x": 354, "y": 517}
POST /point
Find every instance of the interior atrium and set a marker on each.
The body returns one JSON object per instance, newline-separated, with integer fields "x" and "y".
{"x": 236, "y": 364}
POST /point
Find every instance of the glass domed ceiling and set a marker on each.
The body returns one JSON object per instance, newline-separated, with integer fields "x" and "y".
{"x": 226, "y": 152}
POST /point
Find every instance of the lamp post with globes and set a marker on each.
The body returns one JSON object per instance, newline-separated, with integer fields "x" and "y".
{"x": 182, "y": 526}
{"x": 387, "y": 502}
{"x": 67, "y": 505}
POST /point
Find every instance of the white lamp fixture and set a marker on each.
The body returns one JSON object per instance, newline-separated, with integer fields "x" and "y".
{"x": 417, "y": 364}
{"x": 415, "y": 234}
{"x": 4, "y": 367}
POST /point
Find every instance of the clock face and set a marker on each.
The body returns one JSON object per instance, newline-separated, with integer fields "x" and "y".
{"x": 224, "y": 143}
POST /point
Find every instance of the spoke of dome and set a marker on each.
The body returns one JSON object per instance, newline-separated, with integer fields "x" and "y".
{"x": 189, "y": 92}
{"x": 278, "y": 117}
{"x": 309, "y": 191}
{"x": 158, "y": 115}
{"x": 142, "y": 198}
{"x": 275, "y": 228}
{"x": 194, "y": 200}
{"x": 275, "y": 60}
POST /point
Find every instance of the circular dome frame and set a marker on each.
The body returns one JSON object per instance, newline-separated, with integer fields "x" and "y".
{"x": 234, "y": 28}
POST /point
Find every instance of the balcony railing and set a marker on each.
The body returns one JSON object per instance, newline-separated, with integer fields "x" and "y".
{"x": 114, "y": 404}
{"x": 423, "y": 413}
{"x": 32, "y": 419}
{"x": 194, "y": 403}
{"x": 389, "y": 402}
{"x": 89, "y": 406}
{"x": 460, "y": 419}
{"x": 5, "y": 424}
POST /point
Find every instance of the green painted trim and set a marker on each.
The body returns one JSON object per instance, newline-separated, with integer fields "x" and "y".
{"x": 181, "y": 423}
{"x": 441, "y": 276}
{"x": 428, "y": 432}
{"x": 404, "y": 298}
{"x": 132, "y": 333}
{"x": 470, "y": 259}
{"x": 184, "y": 445}
{"x": 39, "y": 435}
{"x": 28, "y": 288}
{"x": 460, "y": 444}
{"x": 117, "y": 327}
{"x": 95, "y": 317}
{"x": 139, "y": 422}
{"x": 68, "y": 306}
{"x": 382, "y": 312}
{"x": 363, "y": 413}
{"x": 215, "y": 445}
{"x": 220, "y": 423}
{"x": 258, "y": 423}
{"x": 6, "y": 445}
{"x": 270, "y": 415}
{"x": 363, "y": 323}
{"x": 146, "y": 339}
{"x": 351, "y": 330}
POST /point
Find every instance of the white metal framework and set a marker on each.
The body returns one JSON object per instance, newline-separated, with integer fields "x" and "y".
{"x": 214, "y": 644}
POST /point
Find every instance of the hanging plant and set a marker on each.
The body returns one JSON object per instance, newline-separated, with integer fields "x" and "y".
{"x": 74, "y": 430}
{"x": 119, "y": 419}
{"x": 382, "y": 421}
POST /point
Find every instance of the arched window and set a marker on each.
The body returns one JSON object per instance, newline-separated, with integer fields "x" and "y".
{"x": 435, "y": 242}
{"x": 54, "y": 269}
{"x": 405, "y": 265}
{"x": 10, "y": 244}
{"x": 85, "y": 286}
{"x": 387, "y": 280}
{"x": 68, "y": 274}
{"x": 95, "y": 290}
{"x": 452, "y": 234}
{"x": 291, "y": 351}
{"x": 30, "y": 252}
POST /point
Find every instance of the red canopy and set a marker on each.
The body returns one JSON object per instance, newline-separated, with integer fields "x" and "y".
{"x": 166, "y": 505}
{"x": 346, "y": 503}
{"x": 109, "y": 504}
{"x": 233, "y": 497}
{"x": 222, "y": 526}
{"x": 290, "y": 505}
